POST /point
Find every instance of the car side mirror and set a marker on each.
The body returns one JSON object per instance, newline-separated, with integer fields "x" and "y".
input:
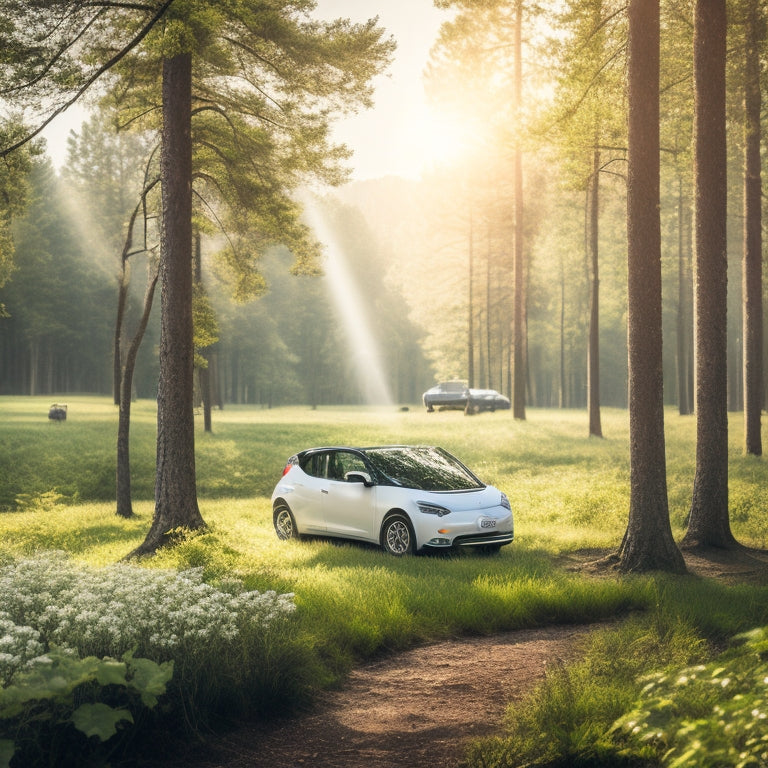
{"x": 358, "y": 477}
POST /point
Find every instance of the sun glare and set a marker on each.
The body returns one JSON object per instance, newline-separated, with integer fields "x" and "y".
{"x": 438, "y": 140}
{"x": 352, "y": 313}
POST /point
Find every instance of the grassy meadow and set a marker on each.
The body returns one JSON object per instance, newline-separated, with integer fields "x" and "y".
{"x": 569, "y": 493}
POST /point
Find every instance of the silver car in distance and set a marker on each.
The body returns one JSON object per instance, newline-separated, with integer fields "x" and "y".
{"x": 403, "y": 498}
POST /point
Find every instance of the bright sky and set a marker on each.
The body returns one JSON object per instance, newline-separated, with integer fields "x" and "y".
{"x": 397, "y": 137}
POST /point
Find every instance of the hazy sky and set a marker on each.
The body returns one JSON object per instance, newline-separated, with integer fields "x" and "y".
{"x": 393, "y": 138}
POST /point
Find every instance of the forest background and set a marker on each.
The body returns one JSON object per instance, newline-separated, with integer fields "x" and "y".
{"x": 430, "y": 259}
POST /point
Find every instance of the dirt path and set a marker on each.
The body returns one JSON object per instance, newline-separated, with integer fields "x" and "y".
{"x": 416, "y": 710}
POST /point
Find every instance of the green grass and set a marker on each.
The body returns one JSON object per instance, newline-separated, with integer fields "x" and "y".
{"x": 568, "y": 491}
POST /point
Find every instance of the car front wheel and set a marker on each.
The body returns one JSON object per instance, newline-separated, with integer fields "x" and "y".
{"x": 285, "y": 525}
{"x": 397, "y": 536}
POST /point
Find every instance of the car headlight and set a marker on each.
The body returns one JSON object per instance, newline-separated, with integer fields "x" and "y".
{"x": 432, "y": 509}
{"x": 505, "y": 502}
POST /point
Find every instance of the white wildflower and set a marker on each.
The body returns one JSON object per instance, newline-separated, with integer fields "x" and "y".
{"x": 108, "y": 611}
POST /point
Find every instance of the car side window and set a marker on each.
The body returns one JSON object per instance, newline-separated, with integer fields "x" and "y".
{"x": 315, "y": 465}
{"x": 341, "y": 462}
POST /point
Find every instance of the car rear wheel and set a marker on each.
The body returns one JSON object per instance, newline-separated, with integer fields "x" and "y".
{"x": 397, "y": 536}
{"x": 285, "y": 525}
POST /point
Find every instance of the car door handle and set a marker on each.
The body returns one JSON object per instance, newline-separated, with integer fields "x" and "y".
{"x": 324, "y": 490}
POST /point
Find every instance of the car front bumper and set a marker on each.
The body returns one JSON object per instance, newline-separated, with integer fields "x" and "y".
{"x": 471, "y": 540}
{"x": 486, "y": 530}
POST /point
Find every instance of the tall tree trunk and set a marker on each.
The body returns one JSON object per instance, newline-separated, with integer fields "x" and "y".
{"x": 206, "y": 391}
{"x": 683, "y": 310}
{"x": 752, "y": 271}
{"x": 122, "y": 299}
{"x": 708, "y": 524}
{"x": 123, "y": 473}
{"x": 471, "y": 311}
{"x": 34, "y": 360}
{"x": 648, "y": 543}
{"x": 519, "y": 376}
{"x": 488, "y": 328}
{"x": 593, "y": 348}
{"x": 117, "y": 361}
{"x": 49, "y": 366}
{"x": 175, "y": 486}
{"x": 203, "y": 372}
{"x": 562, "y": 395}
{"x": 215, "y": 377}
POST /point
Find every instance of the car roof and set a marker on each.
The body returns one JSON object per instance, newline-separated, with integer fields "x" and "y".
{"x": 362, "y": 449}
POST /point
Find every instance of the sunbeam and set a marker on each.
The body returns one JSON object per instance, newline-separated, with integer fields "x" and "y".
{"x": 363, "y": 348}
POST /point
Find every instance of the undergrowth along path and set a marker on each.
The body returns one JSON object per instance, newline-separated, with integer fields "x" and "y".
{"x": 417, "y": 709}
{"x": 420, "y": 708}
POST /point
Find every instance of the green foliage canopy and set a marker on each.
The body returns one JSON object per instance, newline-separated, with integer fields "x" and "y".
{"x": 267, "y": 80}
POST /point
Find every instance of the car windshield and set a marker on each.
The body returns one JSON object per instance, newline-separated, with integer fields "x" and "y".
{"x": 452, "y": 386}
{"x": 422, "y": 468}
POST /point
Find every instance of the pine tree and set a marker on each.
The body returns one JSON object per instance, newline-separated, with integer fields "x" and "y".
{"x": 272, "y": 68}
{"x": 648, "y": 542}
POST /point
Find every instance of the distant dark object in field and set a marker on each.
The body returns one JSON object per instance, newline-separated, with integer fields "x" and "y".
{"x": 404, "y": 409}
{"x": 58, "y": 412}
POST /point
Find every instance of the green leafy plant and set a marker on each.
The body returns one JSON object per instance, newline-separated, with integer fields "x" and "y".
{"x": 38, "y": 502}
{"x": 706, "y": 715}
{"x": 58, "y": 690}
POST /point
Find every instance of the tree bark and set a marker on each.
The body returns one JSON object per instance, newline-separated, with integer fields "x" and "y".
{"x": 562, "y": 397}
{"x": 123, "y": 479}
{"x": 648, "y": 543}
{"x": 175, "y": 485}
{"x": 708, "y": 523}
{"x": 519, "y": 375}
{"x": 683, "y": 311}
{"x": 471, "y": 311}
{"x": 593, "y": 347}
{"x": 117, "y": 362}
{"x": 34, "y": 358}
{"x": 488, "y": 314}
{"x": 203, "y": 372}
{"x": 752, "y": 270}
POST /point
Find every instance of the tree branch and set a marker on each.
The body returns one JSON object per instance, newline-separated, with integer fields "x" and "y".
{"x": 101, "y": 70}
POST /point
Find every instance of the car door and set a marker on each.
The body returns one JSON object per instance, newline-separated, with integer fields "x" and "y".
{"x": 349, "y": 505}
{"x": 310, "y": 487}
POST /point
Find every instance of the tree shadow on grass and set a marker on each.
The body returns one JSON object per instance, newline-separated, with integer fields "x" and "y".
{"x": 736, "y": 565}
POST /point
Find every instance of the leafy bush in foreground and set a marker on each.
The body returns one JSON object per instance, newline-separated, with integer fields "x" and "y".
{"x": 90, "y": 647}
{"x": 706, "y": 716}
{"x": 57, "y": 690}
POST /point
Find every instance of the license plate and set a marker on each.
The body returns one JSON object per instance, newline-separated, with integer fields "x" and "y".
{"x": 487, "y": 523}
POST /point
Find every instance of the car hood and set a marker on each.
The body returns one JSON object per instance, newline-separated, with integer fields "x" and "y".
{"x": 474, "y": 499}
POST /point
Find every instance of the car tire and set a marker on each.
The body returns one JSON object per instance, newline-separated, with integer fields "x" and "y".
{"x": 284, "y": 522}
{"x": 397, "y": 536}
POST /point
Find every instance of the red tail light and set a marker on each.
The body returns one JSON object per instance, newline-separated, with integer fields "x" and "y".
{"x": 287, "y": 467}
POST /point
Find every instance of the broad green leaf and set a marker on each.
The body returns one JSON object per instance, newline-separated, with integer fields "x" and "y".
{"x": 150, "y": 678}
{"x": 99, "y": 720}
{"x": 111, "y": 672}
{"x": 7, "y": 750}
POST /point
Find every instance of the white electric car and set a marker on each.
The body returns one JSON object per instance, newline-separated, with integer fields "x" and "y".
{"x": 403, "y": 498}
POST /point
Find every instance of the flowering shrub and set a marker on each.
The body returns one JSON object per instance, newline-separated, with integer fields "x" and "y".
{"x": 712, "y": 715}
{"x": 109, "y": 611}
{"x": 69, "y": 633}
{"x": 19, "y": 647}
